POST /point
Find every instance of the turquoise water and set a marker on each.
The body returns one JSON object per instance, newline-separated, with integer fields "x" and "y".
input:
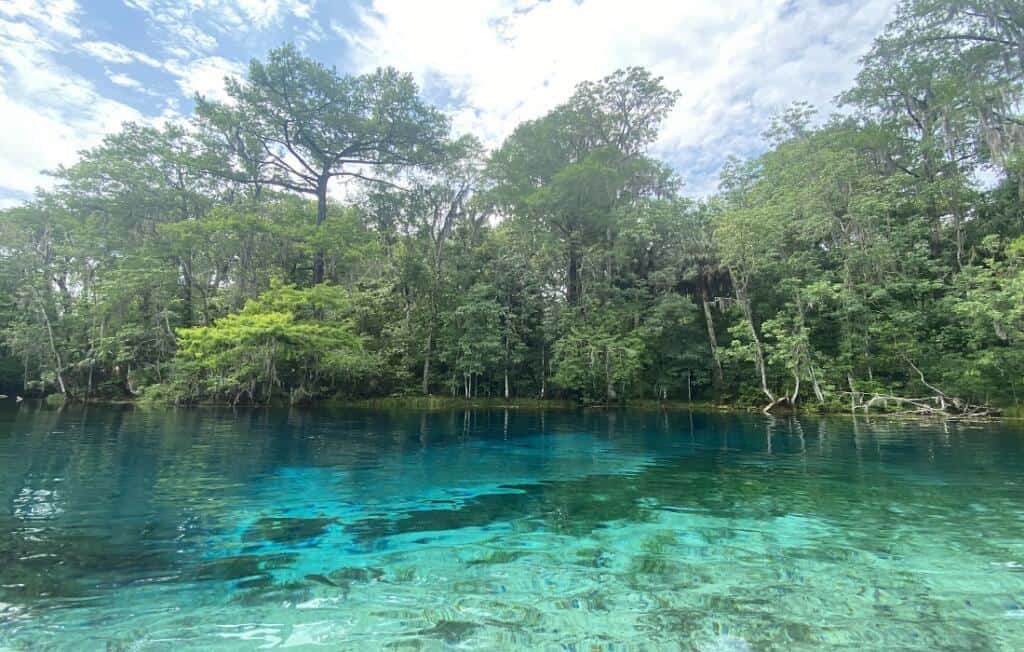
{"x": 564, "y": 530}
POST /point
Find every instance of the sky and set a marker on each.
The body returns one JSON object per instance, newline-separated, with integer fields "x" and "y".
{"x": 72, "y": 71}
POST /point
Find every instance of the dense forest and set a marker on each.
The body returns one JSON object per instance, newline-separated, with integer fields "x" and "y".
{"x": 322, "y": 235}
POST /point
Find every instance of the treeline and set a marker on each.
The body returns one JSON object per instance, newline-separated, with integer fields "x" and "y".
{"x": 878, "y": 254}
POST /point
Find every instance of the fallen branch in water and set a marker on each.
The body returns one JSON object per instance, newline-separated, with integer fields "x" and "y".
{"x": 781, "y": 403}
{"x": 934, "y": 406}
{"x": 940, "y": 404}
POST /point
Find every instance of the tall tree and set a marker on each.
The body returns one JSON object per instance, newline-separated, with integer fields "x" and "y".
{"x": 569, "y": 169}
{"x": 309, "y": 125}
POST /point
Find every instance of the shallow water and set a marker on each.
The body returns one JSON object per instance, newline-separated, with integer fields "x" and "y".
{"x": 570, "y": 530}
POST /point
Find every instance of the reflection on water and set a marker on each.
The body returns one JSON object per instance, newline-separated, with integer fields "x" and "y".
{"x": 575, "y": 530}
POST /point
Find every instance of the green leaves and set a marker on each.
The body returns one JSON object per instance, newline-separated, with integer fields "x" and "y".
{"x": 186, "y": 263}
{"x": 572, "y": 169}
{"x": 295, "y": 123}
{"x": 597, "y": 362}
{"x": 290, "y": 341}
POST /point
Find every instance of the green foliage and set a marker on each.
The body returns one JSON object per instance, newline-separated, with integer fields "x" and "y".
{"x": 597, "y": 364}
{"x": 600, "y": 359}
{"x": 298, "y": 341}
{"x": 855, "y": 254}
{"x": 477, "y": 345}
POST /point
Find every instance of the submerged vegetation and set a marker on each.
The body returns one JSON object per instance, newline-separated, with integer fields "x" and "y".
{"x": 874, "y": 258}
{"x": 127, "y": 528}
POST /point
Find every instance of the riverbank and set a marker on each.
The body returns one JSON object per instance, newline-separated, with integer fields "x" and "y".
{"x": 451, "y": 402}
{"x": 443, "y": 403}
{"x": 428, "y": 403}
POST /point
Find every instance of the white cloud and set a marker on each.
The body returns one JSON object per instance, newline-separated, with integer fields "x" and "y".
{"x": 311, "y": 33}
{"x": 735, "y": 62}
{"x": 196, "y": 39}
{"x": 57, "y": 15}
{"x": 57, "y": 112}
{"x": 265, "y": 12}
{"x": 122, "y": 79}
{"x": 180, "y": 17}
{"x": 116, "y": 53}
{"x": 204, "y": 75}
{"x": 502, "y": 62}
{"x": 176, "y": 19}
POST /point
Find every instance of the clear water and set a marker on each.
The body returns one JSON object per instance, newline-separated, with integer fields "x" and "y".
{"x": 204, "y": 529}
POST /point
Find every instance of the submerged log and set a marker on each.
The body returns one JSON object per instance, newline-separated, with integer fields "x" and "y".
{"x": 939, "y": 404}
{"x": 781, "y": 404}
{"x": 928, "y": 406}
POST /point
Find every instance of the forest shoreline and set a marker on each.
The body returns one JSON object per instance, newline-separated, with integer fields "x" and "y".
{"x": 446, "y": 403}
{"x": 871, "y": 260}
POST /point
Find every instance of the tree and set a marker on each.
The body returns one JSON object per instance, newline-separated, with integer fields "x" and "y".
{"x": 571, "y": 168}
{"x": 308, "y": 125}
{"x": 290, "y": 340}
{"x": 428, "y": 213}
{"x": 598, "y": 360}
{"x": 857, "y": 260}
{"x": 477, "y": 348}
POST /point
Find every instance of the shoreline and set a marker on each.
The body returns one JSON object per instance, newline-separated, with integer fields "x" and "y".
{"x": 446, "y": 403}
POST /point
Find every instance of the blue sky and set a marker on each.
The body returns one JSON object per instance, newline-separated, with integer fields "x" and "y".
{"x": 74, "y": 70}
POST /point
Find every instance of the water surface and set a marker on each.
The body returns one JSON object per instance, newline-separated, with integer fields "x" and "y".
{"x": 568, "y": 530}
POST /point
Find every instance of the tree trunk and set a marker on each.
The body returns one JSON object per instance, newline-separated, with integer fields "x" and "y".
{"x": 321, "y": 215}
{"x": 573, "y": 276}
{"x": 958, "y": 236}
{"x": 92, "y": 357}
{"x": 65, "y": 295}
{"x": 92, "y": 361}
{"x": 507, "y": 393}
{"x": 717, "y": 376}
{"x": 426, "y": 362}
{"x": 128, "y": 381}
{"x": 609, "y": 249}
{"x": 188, "y": 313}
{"x": 543, "y": 370}
{"x": 818, "y": 394}
{"x": 740, "y": 285}
{"x": 53, "y": 349}
{"x": 610, "y": 391}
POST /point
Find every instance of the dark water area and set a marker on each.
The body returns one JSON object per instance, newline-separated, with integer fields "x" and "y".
{"x": 124, "y": 528}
